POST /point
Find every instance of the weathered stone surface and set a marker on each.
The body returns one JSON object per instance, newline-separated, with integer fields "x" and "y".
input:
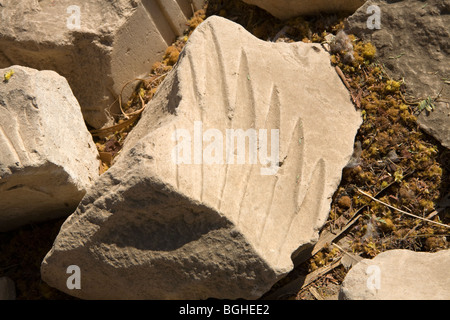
{"x": 399, "y": 275}
{"x": 7, "y": 289}
{"x": 285, "y": 9}
{"x": 155, "y": 229}
{"x": 117, "y": 41}
{"x": 413, "y": 44}
{"x": 47, "y": 158}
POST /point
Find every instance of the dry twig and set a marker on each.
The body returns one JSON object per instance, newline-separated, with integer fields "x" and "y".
{"x": 401, "y": 211}
{"x": 355, "y": 97}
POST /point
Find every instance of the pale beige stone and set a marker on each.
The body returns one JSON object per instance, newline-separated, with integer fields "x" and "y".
{"x": 285, "y": 9}
{"x": 48, "y": 158}
{"x": 117, "y": 41}
{"x": 154, "y": 229}
{"x": 399, "y": 275}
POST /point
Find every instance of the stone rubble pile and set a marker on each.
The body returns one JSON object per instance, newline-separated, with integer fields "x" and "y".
{"x": 230, "y": 172}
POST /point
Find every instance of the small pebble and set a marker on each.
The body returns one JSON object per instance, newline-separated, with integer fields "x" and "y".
{"x": 345, "y": 202}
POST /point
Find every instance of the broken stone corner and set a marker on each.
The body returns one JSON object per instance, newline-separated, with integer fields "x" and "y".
{"x": 48, "y": 158}
{"x": 98, "y": 47}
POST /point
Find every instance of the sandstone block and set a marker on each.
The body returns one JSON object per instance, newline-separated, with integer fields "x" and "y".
{"x": 399, "y": 275}
{"x": 285, "y": 9}
{"x": 47, "y": 158}
{"x": 97, "y": 45}
{"x": 227, "y": 177}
